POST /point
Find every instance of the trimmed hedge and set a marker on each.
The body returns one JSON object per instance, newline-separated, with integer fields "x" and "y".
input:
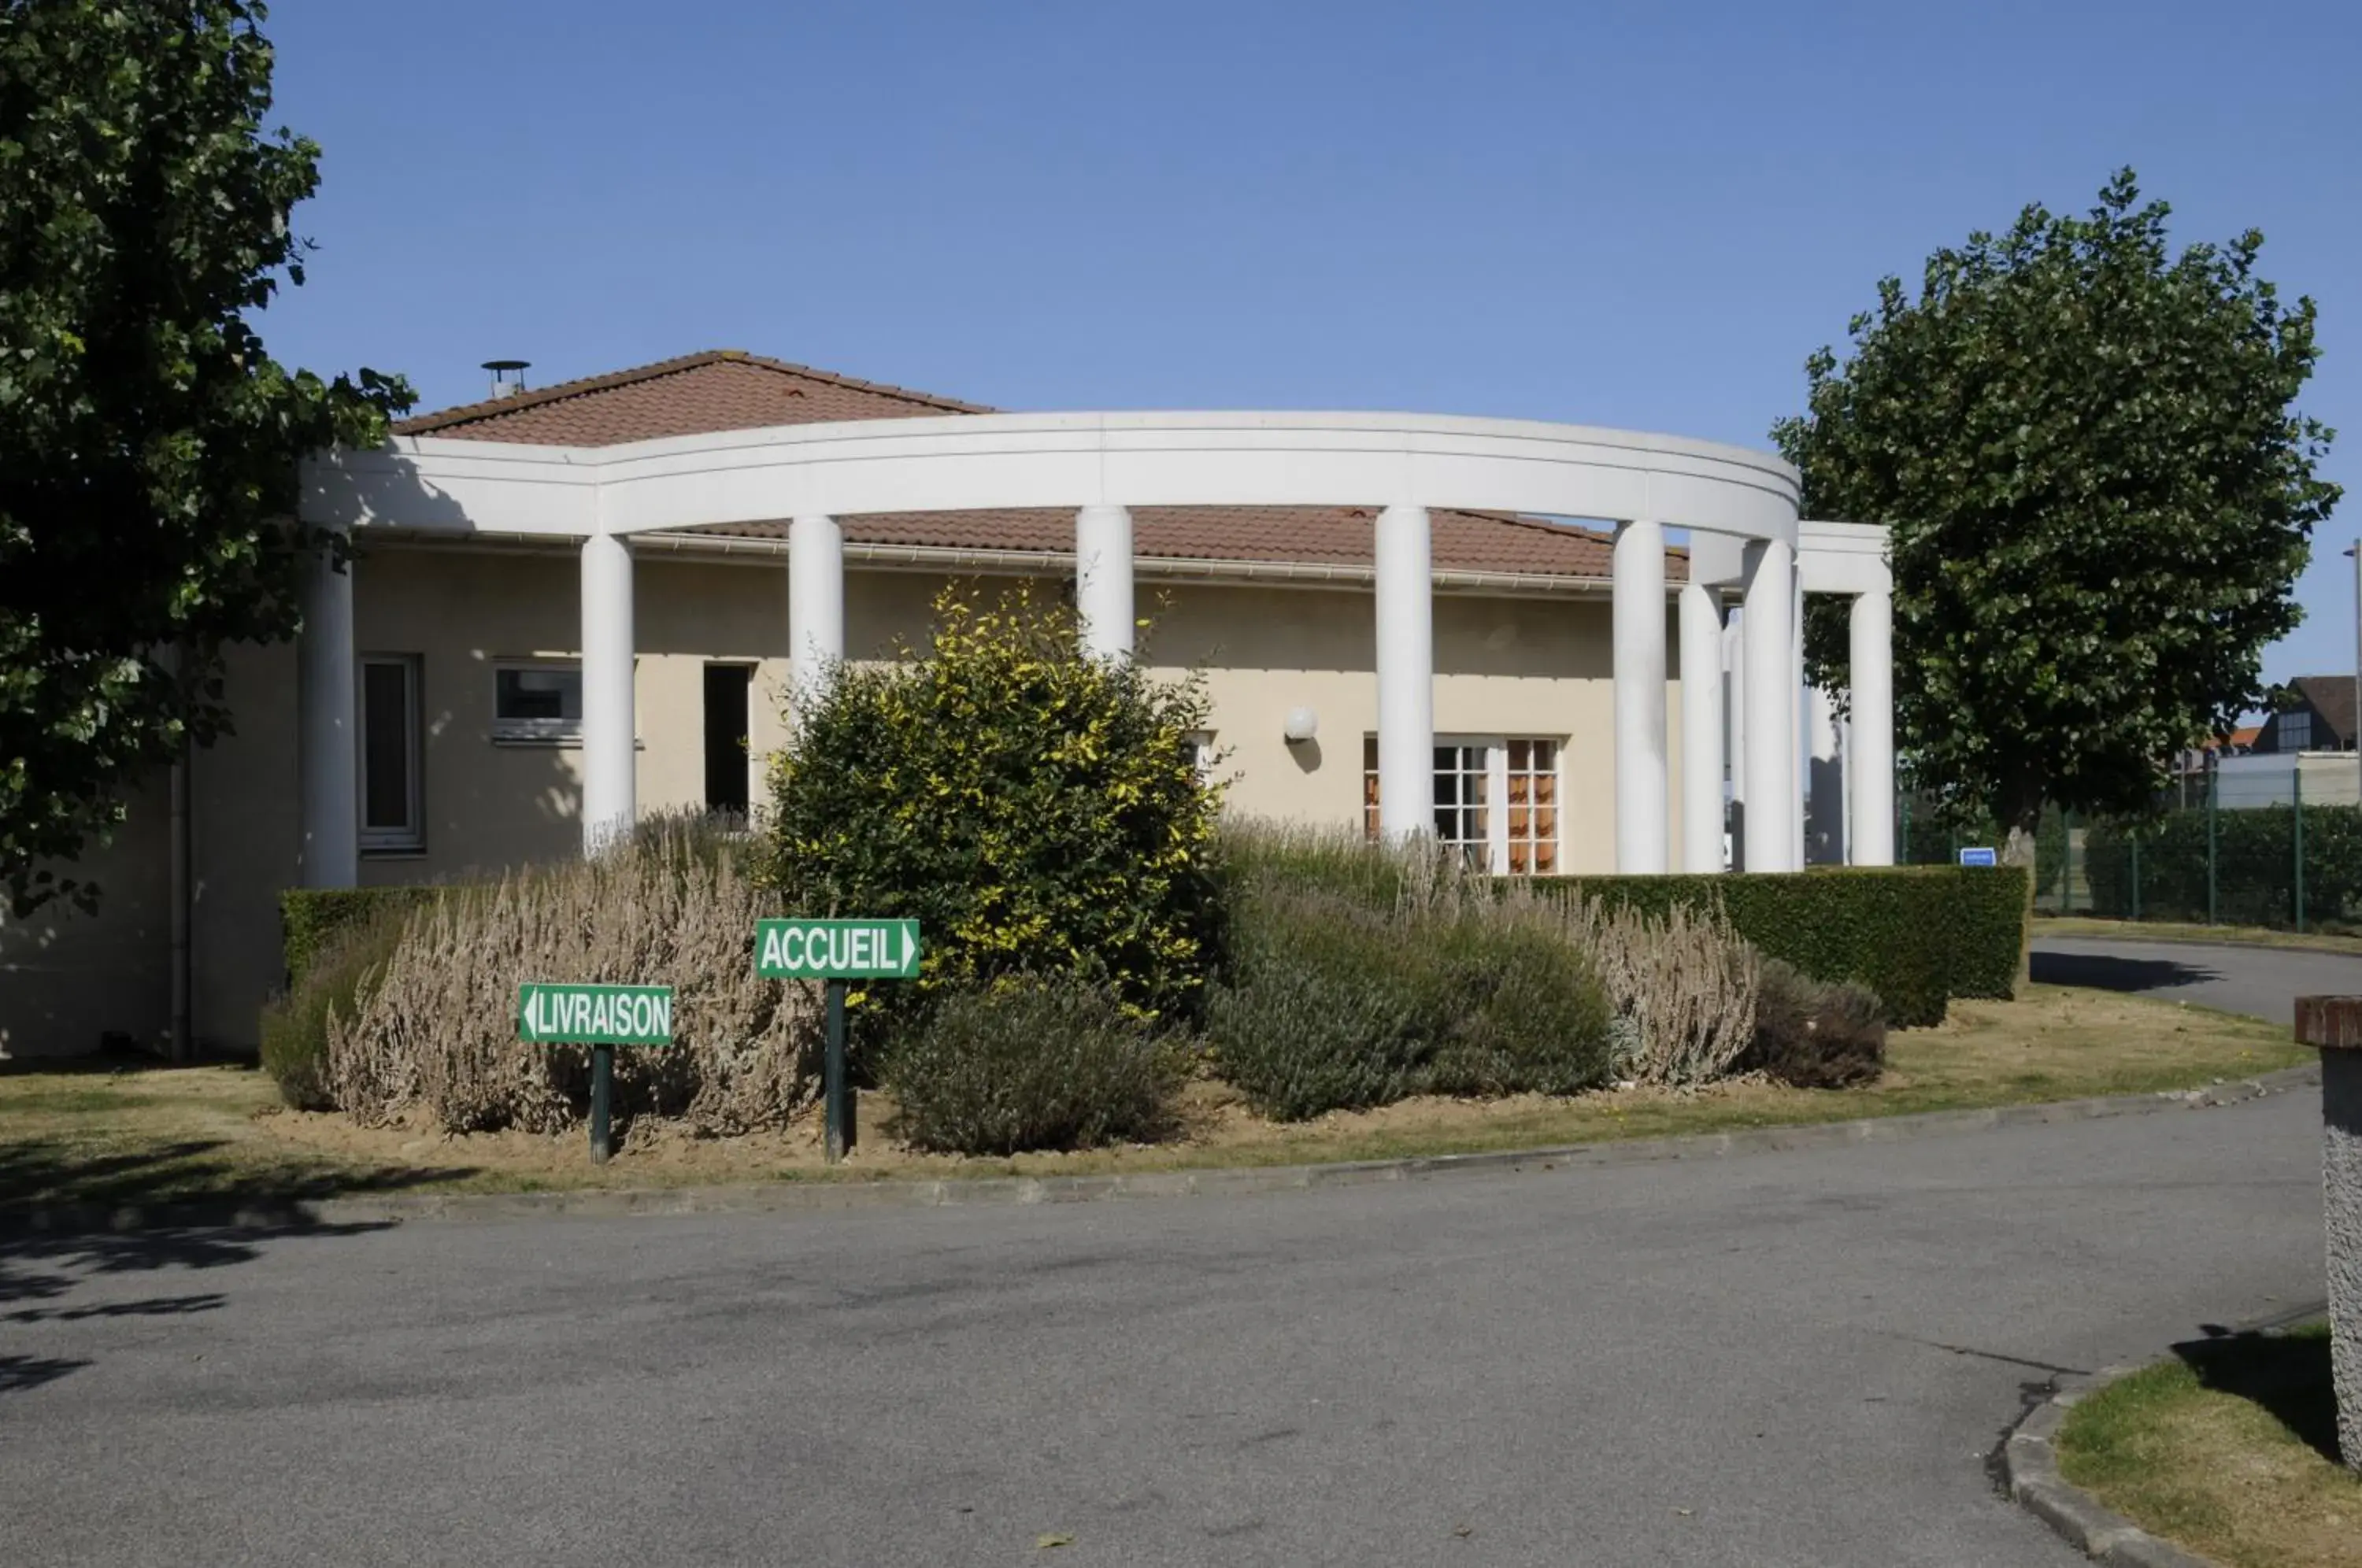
{"x": 1916, "y": 937}
{"x": 310, "y": 919}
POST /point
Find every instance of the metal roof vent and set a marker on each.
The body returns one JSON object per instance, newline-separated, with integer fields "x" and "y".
{"x": 507, "y": 376}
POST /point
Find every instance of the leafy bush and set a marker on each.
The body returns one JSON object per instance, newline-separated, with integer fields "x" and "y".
{"x": 335, "y": 978}
{"x": 1812, "y": 1034}
{"x": 313, "y": 919}
{"x": 1522, "y": 1011}
{"x": 1357, "y": 975}
{"x": 437, "y": 1035}
{"x": 1916, "y": 936}
{"x": 1031, "y": 1064}
{"x": 1034, "y": 809}
{"x": 1319, "y": 1008}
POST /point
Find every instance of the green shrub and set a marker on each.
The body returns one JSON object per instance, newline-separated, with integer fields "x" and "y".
{"x": 1322, "y": 1005}
{"x": 1031, "y": 1064}
{"x": 1815, "y": 1036}
{"x": 1914, "y": 936}
{"x": 1521, "y": 1010}
{"x": 1356, "y": 978}
{"x": 338, "y": 975}
{"x": 311, "y": 919}
{"x": 1034, "y": 809}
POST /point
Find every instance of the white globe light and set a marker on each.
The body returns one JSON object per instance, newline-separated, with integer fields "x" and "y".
{"x": 1303, "y": 723}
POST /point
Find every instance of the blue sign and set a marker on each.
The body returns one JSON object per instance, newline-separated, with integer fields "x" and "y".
{"x": 1979, "y": 857}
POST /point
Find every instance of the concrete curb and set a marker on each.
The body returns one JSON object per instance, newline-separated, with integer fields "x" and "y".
{"x": 2029, "y": 1459}
{"x": 815, "y": 1195}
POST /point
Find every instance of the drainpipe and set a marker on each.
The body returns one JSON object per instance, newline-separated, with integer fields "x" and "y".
{"x": 185, "y": 1045}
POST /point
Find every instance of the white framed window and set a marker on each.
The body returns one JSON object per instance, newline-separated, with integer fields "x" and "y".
{"x": 1495, "y": 799}
{"x": 539, "y": 699}
{"x": 1198, "y": 746}
{"x": 392, "y": 819}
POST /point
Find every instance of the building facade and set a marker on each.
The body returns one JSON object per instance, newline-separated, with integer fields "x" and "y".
{"x": 568, "y": 607}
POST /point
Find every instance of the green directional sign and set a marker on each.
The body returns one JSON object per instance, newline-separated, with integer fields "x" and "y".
{"x": 836, "y": 949}
{"x": 594, "y": 1015}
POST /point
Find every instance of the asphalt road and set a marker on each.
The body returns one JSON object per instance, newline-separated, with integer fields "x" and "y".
{"x": 2264, "y": 981}
{"x": 1776, "y": 1359}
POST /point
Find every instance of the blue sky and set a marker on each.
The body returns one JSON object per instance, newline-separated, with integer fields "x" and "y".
{"x": 1638, "y": 216}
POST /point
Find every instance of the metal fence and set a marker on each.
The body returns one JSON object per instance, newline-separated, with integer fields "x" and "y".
{"x": 2278, "y": 846}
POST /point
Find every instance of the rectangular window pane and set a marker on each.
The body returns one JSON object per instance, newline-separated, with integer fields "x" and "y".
{"x": 385, "y": 746}
{"x": 1462, "y": 796}
{"x": 389, "y": 754}
{"x": 538, "y": 696}
{"x": 1532, "y": 783}
{"x": 1369, "y": 786}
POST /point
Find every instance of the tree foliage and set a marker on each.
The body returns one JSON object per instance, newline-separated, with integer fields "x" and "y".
{"x": 2099, "y": 493}
{"x": 148, "y": 442}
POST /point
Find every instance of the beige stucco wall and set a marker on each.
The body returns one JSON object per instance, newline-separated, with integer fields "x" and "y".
{"x": 68, "y": 977}
{"x": 1504, "y": 667}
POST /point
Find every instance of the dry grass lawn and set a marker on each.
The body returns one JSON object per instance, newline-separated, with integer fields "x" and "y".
{"x": 2228, "y": 1449}
{"x": 157, "y": 1134}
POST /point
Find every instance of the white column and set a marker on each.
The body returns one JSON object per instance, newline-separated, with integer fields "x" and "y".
{"x": 1406, "y": 582}
{"x": 1826, "y": 793}
{"x": 328, "y": 733}
{"x": 1871, "y": 800}
{"x": 1701, "y": 624}
{"x": 1103, "y": 580}
{"x": 1798, "y": 741}
{"x": 1639, "y": 615}
{"x": 815, "y": 605}
{"x": 1770, "y": 759}
{"x": 1733, "y": 708}
{"x": 610, "y": 751}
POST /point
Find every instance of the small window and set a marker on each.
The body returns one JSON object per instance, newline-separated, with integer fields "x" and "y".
{"x": 2296, "y": 730}
{"x": 1198, "y": 747}
{"x": 537, "y": 701}
{"x": 390, "y": 815}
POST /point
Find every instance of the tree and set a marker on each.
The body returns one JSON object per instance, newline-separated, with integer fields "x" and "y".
{"x": 147, "y": 444}
{"x": 2099, "y": 494}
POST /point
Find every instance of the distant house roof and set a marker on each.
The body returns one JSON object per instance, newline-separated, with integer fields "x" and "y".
{"x": 726, "y": 388}
{"x": 2331, "y": 698}
{"x": 2244, "y": 738}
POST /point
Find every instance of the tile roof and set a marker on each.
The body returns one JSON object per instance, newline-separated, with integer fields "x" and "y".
{"x": 1340, "y": 535}
{"x": 727, "y": 389}
{"x": 722, "y": 389}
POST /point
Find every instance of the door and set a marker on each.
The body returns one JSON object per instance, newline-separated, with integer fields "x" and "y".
{"x": 727, "y": 688}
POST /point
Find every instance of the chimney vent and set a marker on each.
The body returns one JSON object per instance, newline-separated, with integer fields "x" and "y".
{"x": 507, "y": 376}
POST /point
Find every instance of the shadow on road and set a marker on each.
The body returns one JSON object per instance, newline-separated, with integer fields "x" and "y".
{"x": 2286, "y": 1375}
{"x": 181, "y": 1209}
{"x": 2104, "y": 972}
{"x": 40, "y": 1273}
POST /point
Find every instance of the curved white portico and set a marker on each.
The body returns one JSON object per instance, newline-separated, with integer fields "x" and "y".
{"x": 1101, "y": 467}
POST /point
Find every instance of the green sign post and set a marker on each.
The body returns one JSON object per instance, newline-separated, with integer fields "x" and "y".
{"x": 601, "y": 1017}
{"x": 836, "y": 951}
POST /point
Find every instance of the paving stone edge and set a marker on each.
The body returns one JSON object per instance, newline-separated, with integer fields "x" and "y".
{"x": 791, "y": 1195}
